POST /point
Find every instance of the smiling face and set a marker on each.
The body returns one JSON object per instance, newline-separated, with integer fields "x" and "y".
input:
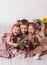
{"x": 24, "y": 28}
{"x": 15, "y": 30}
{"x": 31, "y": 29}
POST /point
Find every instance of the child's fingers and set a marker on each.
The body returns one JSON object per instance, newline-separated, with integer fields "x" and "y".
{"x": 45, "y": 47}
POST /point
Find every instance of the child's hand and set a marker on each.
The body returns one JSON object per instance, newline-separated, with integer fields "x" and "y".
{"x": 15, "y": 45}
{"x": 45, "y": 47}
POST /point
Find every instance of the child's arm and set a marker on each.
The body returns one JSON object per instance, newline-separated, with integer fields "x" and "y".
{"x": 10, "y": 43}
{"x": 39, "y": 38}
{"x": 42, "y": 41}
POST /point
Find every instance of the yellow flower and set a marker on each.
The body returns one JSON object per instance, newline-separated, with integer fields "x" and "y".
{"x": 44, "y": 20}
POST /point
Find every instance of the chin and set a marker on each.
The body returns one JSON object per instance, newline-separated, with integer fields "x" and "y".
{"x": 23, "y": 32}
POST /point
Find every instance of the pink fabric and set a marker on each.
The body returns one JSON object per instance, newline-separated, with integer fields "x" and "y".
{"x": 4, "y": 52}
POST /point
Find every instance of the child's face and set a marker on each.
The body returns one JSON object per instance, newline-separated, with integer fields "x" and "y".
{"x": 23, "y": 28}
{"x": 16, "y": 30}
{"x": 31, "y": 30}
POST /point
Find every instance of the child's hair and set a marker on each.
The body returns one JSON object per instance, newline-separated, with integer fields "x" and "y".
{"x": 24, "y": 22}
{"x": 15, "y": 25}
{"x": 33, "y": 24}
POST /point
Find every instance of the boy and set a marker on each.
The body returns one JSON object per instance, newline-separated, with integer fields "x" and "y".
{"x": 24, "y": 32}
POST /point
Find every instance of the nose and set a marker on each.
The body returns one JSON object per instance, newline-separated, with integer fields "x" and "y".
{"x": 23, "y": 30}
{"x": 16, "y": 31}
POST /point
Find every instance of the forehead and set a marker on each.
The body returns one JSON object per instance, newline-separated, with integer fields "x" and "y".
{"x": 23, "y": 25}
{"x": 30, "y": 26}
{"x": 15, "y": 27}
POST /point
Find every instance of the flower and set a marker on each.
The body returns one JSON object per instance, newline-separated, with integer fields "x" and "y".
{"x": 44, "y": 20}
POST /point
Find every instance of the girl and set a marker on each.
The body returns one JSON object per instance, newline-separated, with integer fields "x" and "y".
{"x": 9, "y": 42}
{"x": 36, "y": 41}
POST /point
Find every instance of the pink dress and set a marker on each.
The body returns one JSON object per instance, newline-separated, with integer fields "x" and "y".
{"x": 38, "y": 48}
{"x": 4, "y": 48}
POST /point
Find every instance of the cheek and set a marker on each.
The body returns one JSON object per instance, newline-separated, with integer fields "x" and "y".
{"x": 13, "y": 31}
{"x": 29, "y": 30}
{"x": 21, "y": 29}
{"x": 33, "y": 31}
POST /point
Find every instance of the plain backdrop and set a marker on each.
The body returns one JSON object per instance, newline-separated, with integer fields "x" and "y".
{"x": 12, "y": 10}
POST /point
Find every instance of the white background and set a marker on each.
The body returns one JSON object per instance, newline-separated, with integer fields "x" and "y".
{"x": 12, "y": 10}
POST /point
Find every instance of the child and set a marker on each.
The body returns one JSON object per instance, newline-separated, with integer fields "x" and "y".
{"x": 24, "y": 32}
{"x": 39, "y": 26}
{"x": 10, "y": 41}
{"x": 24, "y": 26}
{"x": 36, "y": 41}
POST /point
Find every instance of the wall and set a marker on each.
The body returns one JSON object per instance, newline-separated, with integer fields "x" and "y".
{"x": 11, "y": 10}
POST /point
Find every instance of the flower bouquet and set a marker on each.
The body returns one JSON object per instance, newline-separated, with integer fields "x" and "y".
{"x": 20, "y": 42}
